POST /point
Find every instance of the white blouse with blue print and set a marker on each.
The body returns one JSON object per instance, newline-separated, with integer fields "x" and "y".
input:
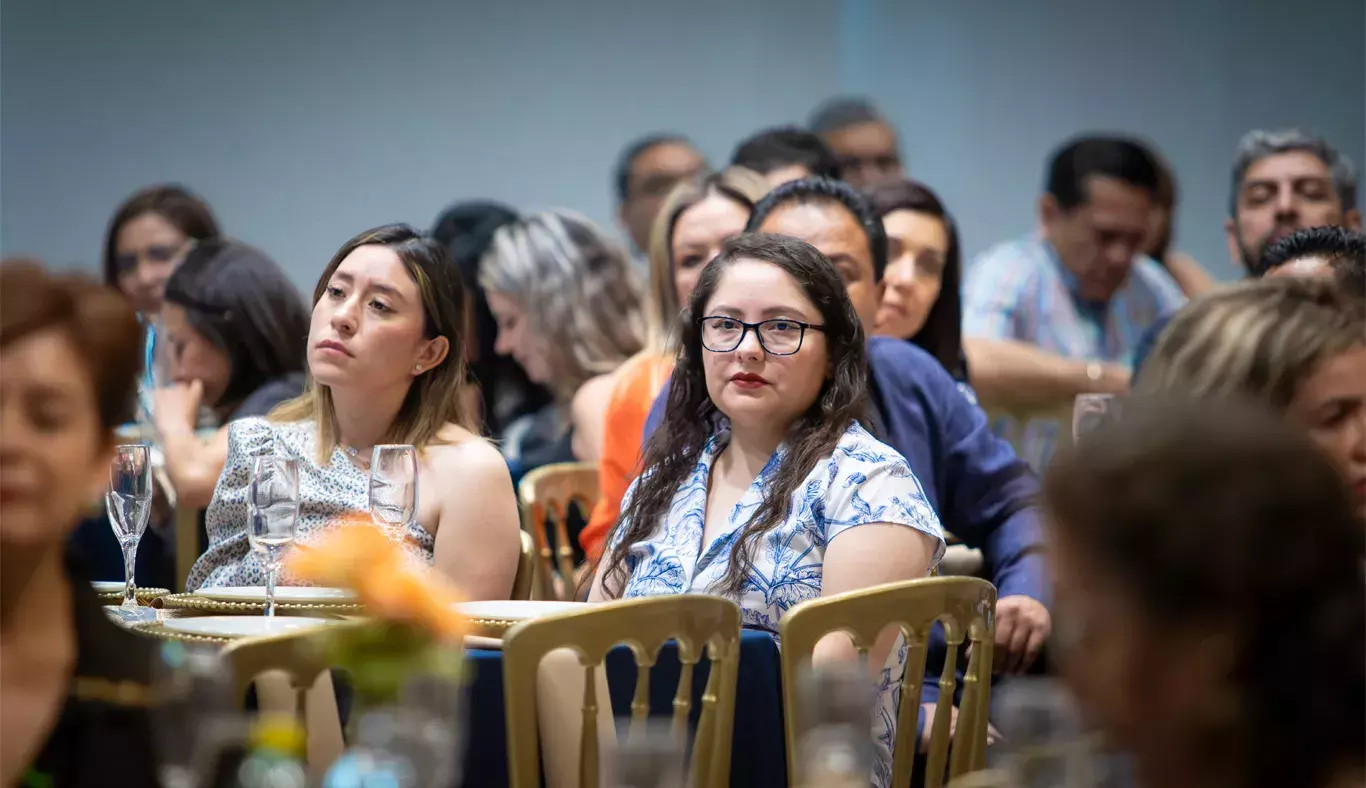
{"x": 863, "y": 481}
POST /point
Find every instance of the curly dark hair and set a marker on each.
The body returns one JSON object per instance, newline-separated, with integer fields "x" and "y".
{"x": 691, "y": 416}
{"x": 1222, "y": 515}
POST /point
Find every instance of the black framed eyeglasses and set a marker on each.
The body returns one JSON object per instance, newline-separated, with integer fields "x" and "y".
{"x": 779, "y": 336}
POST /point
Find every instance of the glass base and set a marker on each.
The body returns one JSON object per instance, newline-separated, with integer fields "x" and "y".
{"x": 128, "y": 616}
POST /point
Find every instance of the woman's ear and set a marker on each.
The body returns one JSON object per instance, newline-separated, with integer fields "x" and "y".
{"x": 431, "y": 355}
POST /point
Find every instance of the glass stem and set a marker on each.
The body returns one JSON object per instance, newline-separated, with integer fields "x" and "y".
{"x": 130, "y": 559}
{"x": 272, "y": 569}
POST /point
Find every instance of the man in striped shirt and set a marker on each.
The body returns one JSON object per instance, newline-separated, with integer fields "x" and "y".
{"x": 1060, "y": 312}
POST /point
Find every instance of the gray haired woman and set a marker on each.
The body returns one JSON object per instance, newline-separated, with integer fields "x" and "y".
{"x": 569, "y": 310}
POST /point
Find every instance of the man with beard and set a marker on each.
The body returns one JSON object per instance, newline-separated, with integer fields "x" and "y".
{"x": 1283, "y": 181}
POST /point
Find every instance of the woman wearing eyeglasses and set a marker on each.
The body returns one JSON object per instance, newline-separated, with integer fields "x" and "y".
{"x": 762, "y": 484}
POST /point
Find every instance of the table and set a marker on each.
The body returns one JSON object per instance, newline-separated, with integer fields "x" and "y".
{"x": 758, "y": 753}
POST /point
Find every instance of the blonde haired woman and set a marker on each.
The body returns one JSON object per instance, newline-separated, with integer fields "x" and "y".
{"x": 697, "y": 218}
{"x": 1297, "y": 345}
{"x": 387, "y": 312}
{"x": 569, "y": 311}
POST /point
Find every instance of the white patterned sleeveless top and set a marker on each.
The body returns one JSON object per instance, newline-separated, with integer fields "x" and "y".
{"x": 326, "y": 493}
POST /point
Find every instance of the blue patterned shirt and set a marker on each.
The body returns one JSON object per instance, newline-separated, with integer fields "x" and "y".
{"x": 1020, "y": 290}
{"x": 864, "y": 481}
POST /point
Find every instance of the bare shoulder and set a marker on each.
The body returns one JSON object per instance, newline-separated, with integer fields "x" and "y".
{"x": 593, "y": 394}
{"x": 463, "y": 451}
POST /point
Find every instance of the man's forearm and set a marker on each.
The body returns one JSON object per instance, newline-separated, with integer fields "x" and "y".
{"x": 1015, "y": 374}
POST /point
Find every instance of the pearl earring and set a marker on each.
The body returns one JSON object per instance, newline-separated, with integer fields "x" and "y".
{"x": 417, "y": 368}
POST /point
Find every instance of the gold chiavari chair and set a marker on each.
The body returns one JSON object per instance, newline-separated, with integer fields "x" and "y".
{"x": 546, "y": 493}
{"x": 965, "y": 606}
{"x": 302, "y": 658}
{"x": 695, "y": 621}
{"x": 526, "y": 568}
{"x": 186, "y": 543}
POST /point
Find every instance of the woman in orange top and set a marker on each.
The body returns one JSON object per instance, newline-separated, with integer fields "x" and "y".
{"x": 697, "y": 217}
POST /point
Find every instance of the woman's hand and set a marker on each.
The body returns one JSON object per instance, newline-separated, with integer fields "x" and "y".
{"x": 176, "y": 407}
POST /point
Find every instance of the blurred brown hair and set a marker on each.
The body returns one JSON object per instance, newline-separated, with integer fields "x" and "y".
{"x": 176, "y": 204}
{"x": 1221, "y": 518}
{"x": 103, "y": 329}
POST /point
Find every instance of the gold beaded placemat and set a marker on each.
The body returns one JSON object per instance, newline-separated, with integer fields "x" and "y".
{"x": 206, "y": 606}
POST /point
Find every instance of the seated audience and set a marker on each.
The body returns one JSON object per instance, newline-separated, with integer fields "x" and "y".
{"x": 498, "y": 388}
{"x": 1190, "y": 276}
{"x": 982, "y": 492}
{"x": 1060, "y": 313}
{"x": 75, "y": 685}
{"x": 235, "y": 332}
{"x": 763, "y": 483}
{"x": 698, "y": 217}
{"x": 862, "y": 140}
{"x": 648, "y": 169}
{"x": 786, "y": 153}
{"x": 1209, "y": 588}
{"x": 1297, "y": 345}
{"x": 569, "y": 311}
{"x": 1283, "y": 181}
{"x": 921, "y": 300}
{"x": 387, "y": 313}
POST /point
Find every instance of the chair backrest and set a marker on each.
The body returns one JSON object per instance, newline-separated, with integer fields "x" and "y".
{"x": 186, "y": 543}
{"x": 965, "y": 606}
{"x": 303, "y": 658}
{"x": 526, "y": 568}
{"x": 695, "y": 621}
{"x": 546, "y": 493}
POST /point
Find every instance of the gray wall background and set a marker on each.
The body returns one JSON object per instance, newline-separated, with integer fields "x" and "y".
{"x": 305, "y": 121}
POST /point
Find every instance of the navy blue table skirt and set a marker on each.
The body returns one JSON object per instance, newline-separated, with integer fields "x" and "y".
{"x": 757, "y": 751}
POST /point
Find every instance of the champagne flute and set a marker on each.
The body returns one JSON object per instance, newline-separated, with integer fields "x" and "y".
{"x": 272, "y": 513}
{"x": 1089, "y": 411}
{"x": 393, "y": 487}
{"x": 129, "y": 503}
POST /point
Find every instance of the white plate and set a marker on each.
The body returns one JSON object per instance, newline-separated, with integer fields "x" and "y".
{"x": 515, "y": 609}
{"x": 297, "y": 594}
{"x": 107, "y": 586}
{"x": 243, "y": 626}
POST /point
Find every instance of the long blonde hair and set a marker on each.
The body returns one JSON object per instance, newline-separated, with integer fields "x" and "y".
{"x": 576, "y": 290}
{"x": 1258, "y": 340}
{"x": 742, "y": 185}
{"x": 433, "y": 398}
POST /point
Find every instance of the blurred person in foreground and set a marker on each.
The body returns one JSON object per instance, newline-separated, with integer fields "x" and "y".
{"x": 645, "y": 172}
{"x": 384, "y": 368}
{"x": 1211, "y": 615}
{"x": 863, "y": 141}
{"x": 1061, "y": 312}
{"x": 1296, "y": 345}
{"x": 235, "y": 331}
{"x": 1286, "y": 180}
{"x": 498, "y": 389}
{"x": 921, "y": 300}
{"x": 698, "y": 217}
{"x": 75, "y": 686}
{"x": 786, "y": 153}
{"x": 763, "y": 484}
{"x": 568, "y": 309}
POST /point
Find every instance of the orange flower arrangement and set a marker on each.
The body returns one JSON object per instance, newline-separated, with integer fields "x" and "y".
{"x": 356, "y": 555}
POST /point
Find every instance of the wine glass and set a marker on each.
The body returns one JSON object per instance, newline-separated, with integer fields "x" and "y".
{"x": 393, "y": 487}
{"x": 129, "y": 503}
{"x": 1090, "y": 411}
{"x": 272, "y": 513}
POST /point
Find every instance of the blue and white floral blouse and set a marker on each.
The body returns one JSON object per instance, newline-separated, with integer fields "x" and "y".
{"x": 864, "y": 481}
